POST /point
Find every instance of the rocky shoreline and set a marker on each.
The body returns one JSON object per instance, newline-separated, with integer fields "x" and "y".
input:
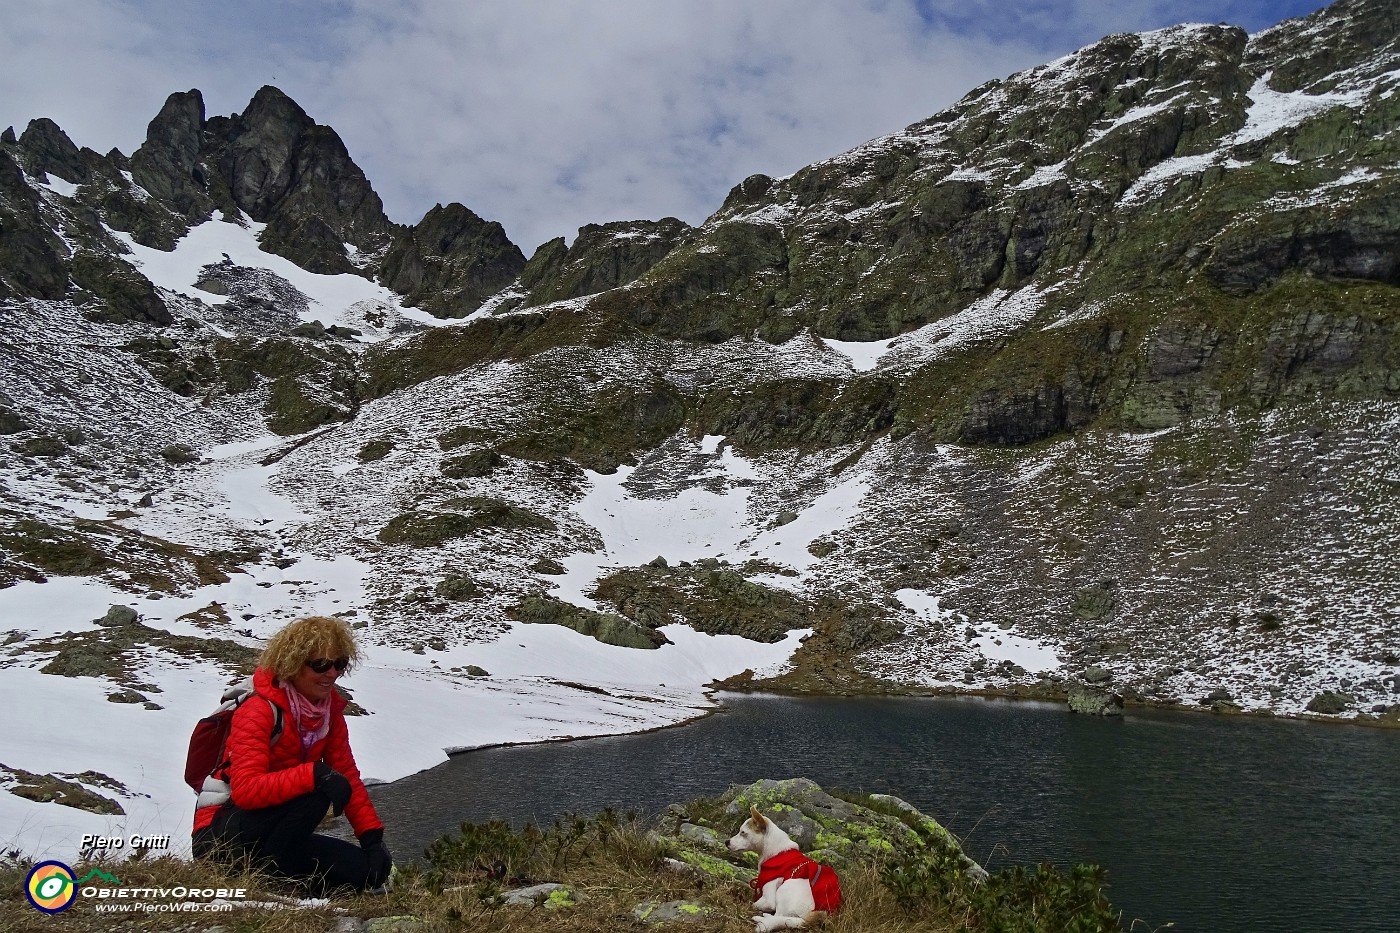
{"x": 1096, "y": 701}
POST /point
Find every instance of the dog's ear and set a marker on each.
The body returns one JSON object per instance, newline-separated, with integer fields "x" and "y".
{"x": 758, "y": 819}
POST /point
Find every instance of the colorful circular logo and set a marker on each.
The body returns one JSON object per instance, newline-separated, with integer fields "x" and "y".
{"x": 50, "y": 887}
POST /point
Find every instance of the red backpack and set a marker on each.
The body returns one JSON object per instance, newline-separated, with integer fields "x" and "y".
{"x": 208, "y": 753}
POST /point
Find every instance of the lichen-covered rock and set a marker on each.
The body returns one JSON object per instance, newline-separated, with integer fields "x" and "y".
{"x": 607, "y": 627}
{"x": 1093, "y": 702}
{"x": 550, "y": 896}
{"x": 831, "y": 829}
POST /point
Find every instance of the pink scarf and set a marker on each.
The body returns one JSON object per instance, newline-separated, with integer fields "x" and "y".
{"x": 313, "y": 720}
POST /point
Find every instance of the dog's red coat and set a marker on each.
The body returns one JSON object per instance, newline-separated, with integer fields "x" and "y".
{"x": 826, "y": 889}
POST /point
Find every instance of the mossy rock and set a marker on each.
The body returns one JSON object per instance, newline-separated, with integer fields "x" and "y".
{"x": 838, "y": 831}
{"x": 115, "y": 651}
{"x": 179, "y": 454}
{"x": 42, "y": 446}
{"x": 430, "y": 529}
{"x": 46, "y": 788}
{"x": 457, "y": 589}
{"x": 293, "y": 407}
{"x": 127, "y": 295}
{"x": 1093, "y": 603}
{"x": 717, "y": 601}
{"x": 375, "y": 450}
{"x": 11, "y": 422}
{"x": 426, "y": 529}
{"x": 489, "y": 512}
{"x": 463, "y": 435}
{"x": 606, "y": 627}
{"x": 1330, "y": 703}
{"x": 475, "y": 464}
{"x": 673, "y": 912}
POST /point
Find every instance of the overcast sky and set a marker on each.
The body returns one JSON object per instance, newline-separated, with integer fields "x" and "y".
{"x": 549, "y": 114}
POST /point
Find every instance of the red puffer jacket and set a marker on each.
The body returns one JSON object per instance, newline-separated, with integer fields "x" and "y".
{"x": 826, "y": 888}
{"x": 263, "y": 775}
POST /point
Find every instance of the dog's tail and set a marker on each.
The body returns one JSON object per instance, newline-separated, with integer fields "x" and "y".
{"x": 815, "y": 917}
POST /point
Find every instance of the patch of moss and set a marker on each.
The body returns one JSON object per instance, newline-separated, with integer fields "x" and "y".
{"x": 46, "y": 788}
{"x": 463, "y": 435}
{"x": 715, "y": 601}
{"x": 179, "y": 454}
{"x": 42, "y": 446}
{"x": 475, "y": 464}
{"x": 55, "y": 550}
{"x": 488, "y": 512}
{"x": 426, "y": 529}
{"x": 115, "y": 652}
{"x": 375, "y": 450}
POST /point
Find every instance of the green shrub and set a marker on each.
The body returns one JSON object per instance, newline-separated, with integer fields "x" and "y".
{"x": 929, "y": 879}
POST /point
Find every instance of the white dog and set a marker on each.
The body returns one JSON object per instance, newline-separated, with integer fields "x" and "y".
{"x": 792, "y": 889}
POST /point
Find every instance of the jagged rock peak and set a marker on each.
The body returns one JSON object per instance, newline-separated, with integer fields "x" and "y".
{"x": 602, "y": 257}
{"x": 167, "y": 164}
{"x": 296, "y": 175}
{"x": 451, "y": 261}
{"x": 46, "y": 148}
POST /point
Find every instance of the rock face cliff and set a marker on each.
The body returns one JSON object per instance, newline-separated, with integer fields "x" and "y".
{"x": 1099, "y": 367}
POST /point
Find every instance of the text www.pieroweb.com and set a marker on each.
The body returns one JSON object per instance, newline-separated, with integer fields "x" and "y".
{"x": 187, "y": 907}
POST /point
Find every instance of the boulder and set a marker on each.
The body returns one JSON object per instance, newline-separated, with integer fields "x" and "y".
{"x": 1093, "y": 702}
{"x": 550, "y": 896}
{"x": 832, "y": 830}
{"x": 1097, "y": 675}
{"x": 119, "y": 616}
{"x": 1330, "y": 703}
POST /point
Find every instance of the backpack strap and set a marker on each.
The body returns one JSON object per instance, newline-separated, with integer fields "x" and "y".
{"x": 272, "y": 740}
{"x": 276, "y": 721}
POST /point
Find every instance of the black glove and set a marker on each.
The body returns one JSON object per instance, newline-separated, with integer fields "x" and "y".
{"x": 334, "y": 785}
{"x": 377, "y": 857}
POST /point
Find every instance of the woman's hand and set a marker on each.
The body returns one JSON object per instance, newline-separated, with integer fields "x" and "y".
{"x": 377, "y": 855}
{"x": 334, "y": 785}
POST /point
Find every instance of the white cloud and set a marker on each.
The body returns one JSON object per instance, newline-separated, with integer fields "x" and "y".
{"x": 549, "y": 115}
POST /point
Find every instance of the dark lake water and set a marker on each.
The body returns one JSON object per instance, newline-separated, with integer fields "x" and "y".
{"x": 1215, "y": 824}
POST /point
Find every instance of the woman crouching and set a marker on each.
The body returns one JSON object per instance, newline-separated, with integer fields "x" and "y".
{"x": 282, "y": 785}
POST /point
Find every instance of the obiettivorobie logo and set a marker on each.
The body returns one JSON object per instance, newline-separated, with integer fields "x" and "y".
{"x": 51, "y": 886}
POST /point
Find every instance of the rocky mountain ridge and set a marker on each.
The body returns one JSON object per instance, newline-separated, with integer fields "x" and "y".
{"x": 1104, "y": 360}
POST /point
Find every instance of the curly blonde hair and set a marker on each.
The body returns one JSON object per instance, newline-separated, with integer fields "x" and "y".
{"x": 307, "y": 638}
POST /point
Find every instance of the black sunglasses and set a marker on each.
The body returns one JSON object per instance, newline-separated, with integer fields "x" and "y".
{"x": 321, "y": 665}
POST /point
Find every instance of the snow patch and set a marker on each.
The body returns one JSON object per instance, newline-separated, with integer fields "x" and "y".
{"x": 863, "y": 354}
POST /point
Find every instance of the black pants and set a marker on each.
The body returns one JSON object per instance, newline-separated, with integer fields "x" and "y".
{"x": 282, "y": 841}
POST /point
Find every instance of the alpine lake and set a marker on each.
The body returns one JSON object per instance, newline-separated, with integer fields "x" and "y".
{"x": 1212, "y": 824}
